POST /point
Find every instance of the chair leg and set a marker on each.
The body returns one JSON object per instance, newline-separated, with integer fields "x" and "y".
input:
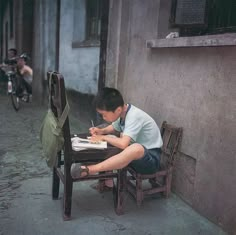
{"x": 68, "y": 185}
{"x": 56, "y": 179}
{"x": 118, "y": 192}
{"x": 168, "y": 185}
{"x": 139, "y": 191}
{"x": 55, "y": 185}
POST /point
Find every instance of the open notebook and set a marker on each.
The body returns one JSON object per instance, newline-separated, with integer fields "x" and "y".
{"x": 81, "y": 144}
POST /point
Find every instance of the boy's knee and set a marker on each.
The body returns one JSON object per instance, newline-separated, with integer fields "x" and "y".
{"x": 137, "y": 150}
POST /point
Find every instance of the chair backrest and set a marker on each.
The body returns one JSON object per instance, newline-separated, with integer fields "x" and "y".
{"x": 57, "y": 94}
{"x": 171, "y": 136}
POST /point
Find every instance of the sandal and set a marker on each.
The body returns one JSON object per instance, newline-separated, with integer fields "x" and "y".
{"x": 77, "y": 171}
{"x": 101, "y": 187}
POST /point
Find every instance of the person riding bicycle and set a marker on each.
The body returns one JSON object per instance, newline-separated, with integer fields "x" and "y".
{"x": 25, "y": 74}
{"x": 9, "y": 63}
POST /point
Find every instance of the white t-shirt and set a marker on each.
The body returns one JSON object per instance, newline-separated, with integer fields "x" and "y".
{"x": 140, "y": 127}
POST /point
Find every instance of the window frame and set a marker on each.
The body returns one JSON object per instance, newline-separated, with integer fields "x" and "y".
{"x": 86, "y": 40}
{"x": 89, "y": 36}
{"x": 195, "y": 29}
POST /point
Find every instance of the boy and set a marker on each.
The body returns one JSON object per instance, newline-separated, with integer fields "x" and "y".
{"x": 25, "y": 74}
{"x": 11, "y": 58}
{"x": 9, "y": 63}
{"x": 140, "y": 136}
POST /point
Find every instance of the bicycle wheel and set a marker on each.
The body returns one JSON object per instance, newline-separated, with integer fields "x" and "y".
{"x": 15, "y": 101}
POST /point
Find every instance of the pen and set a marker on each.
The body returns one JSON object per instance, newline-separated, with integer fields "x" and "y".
{"x": 92, "y": 123}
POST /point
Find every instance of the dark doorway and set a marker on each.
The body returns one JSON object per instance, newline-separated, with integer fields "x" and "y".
{"x": 6, "y": 39}
{"x": 103, "y": 43}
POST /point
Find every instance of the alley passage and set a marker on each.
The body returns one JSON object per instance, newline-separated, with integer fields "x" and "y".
{"x": 20, "y": 149}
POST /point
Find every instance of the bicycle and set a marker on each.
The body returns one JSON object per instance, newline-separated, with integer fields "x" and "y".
{"x": 14, "y": 89}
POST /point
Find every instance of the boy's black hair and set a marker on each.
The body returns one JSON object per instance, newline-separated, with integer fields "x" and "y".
{"x": 108, "y": 99}
{"x": 14, "y": 50}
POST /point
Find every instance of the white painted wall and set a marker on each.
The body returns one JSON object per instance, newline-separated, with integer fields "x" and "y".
{"x": 80, "y": 66}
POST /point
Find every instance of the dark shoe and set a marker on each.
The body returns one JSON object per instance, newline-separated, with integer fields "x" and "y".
{"x": 77, "y": 171}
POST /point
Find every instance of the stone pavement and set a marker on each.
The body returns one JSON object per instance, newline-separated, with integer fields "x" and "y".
{"x": 26, "y": 207}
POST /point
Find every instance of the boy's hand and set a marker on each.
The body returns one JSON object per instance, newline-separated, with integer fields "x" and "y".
{"x": 94, "y": 131}
{"x": 96, "y": 138}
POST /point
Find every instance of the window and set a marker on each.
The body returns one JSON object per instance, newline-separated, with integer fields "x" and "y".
{"x": 87, "y": 23}
{"x": 93, "y": 19}
{"x": 203, "y": 17}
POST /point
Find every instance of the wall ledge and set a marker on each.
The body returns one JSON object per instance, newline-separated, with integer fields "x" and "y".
{"x": 197, "y": 41}
{"x": 86, "y": 43}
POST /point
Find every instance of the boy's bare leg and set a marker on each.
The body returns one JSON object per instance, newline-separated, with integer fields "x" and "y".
{"x": 118, "y": 161}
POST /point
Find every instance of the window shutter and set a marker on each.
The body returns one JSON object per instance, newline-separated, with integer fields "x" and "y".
{"x": 188, "y": 13}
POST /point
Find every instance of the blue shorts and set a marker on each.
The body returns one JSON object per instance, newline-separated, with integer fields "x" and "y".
{"x": 149, "y": 163}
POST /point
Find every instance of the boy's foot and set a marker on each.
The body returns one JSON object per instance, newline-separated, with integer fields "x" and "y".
{"x": 78, "y": 171}
{"x": 25, "y": 98}
{"x": 101, "y": 187}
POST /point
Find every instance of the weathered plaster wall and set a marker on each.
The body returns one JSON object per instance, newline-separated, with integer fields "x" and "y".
{"x": 21, "y": 39}
{"x": 11, "y": 41}
{"x": 189, "y": 87}
{"x": 78, "y": 65}
{"x": 44, "y": 46}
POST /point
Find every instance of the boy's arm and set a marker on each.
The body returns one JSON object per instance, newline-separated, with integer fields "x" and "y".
{"x": 119, "y": 142}
{"x": 102, "y": 131}
{"x": 28, "y": 70}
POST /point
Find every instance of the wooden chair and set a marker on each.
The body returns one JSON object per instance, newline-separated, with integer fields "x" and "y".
{"x": 65, "y": 158}
{"x": 161, "y": 180}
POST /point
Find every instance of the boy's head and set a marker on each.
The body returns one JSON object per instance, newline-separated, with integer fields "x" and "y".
{"x": 22, "y": 59}
{"x": 108, "y": 99}
{"x": 109, "y": 103}
{"x": 12, "y": 52}
{"x": 11, "y": 57}
{"x": 20, "y": 62}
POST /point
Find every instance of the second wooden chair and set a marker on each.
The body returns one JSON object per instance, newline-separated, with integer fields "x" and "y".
{"x": 160, "y": 181}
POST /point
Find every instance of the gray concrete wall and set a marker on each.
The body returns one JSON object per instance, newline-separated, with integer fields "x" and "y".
{"x": 189, "y": 87}
{"x": 80, "y": 66}
{"x": 22, "y": 27}
{"x": 11, "y": 41}
{"x": 44, "y": 45}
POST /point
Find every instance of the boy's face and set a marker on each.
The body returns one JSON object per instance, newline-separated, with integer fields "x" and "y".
{"x": 11, "y": 54}
{"x": 110, "y": 116}
{"x": 20, "y": 62}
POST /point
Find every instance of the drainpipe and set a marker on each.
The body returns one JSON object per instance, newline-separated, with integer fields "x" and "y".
{"x": 57, "y": 35}
{"x": 103, "y": 43}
